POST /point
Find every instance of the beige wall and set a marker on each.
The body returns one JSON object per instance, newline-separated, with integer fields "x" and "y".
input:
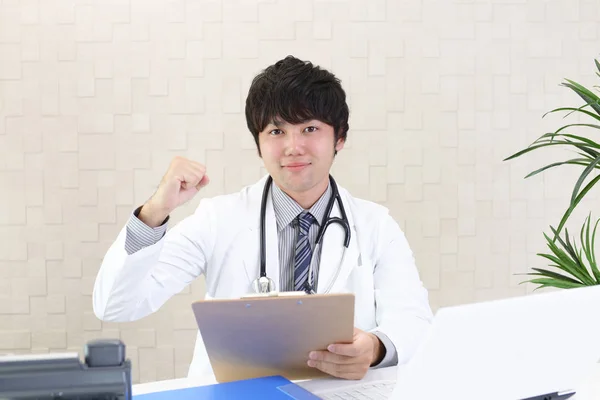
{"x": 97, "y": 96}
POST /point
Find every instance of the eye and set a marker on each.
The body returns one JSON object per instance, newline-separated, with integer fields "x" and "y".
{"x": 311, "y": 129}
{"x": 275, "y": 132}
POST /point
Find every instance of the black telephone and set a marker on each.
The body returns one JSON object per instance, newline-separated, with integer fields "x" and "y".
{"x": 105, "y": 374}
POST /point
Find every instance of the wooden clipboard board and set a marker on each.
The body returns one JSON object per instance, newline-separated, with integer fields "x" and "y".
{"x": 264, "y": 336}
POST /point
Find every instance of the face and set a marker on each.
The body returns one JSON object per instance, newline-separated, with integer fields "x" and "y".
{"x": 299, "y": 156}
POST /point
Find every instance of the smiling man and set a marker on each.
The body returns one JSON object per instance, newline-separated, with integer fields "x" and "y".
{"x": 298, "y": 116}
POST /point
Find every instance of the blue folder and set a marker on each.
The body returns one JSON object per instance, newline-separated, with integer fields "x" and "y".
{"x": 268, "y": 388}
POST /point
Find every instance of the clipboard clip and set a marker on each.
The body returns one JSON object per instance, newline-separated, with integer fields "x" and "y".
{"x": 275, "y": 294}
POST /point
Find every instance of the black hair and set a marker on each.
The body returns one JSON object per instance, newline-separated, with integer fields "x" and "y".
{"x": 296, "y": 91}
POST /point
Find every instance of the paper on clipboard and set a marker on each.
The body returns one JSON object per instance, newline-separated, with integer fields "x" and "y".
{"x": 262, "y": 336}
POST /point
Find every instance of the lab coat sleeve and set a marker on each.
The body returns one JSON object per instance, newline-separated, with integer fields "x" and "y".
{"x": 131, "y": 286}
{"x": 403, "y": 312}
{"x": 391, "y": 355}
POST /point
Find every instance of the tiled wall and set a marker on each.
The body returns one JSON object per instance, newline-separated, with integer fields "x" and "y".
{"x": 96, "y": 97}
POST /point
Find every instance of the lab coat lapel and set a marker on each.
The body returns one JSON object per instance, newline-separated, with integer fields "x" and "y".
{"x": 332, "y": 252}
{"x": 252, "y": 260}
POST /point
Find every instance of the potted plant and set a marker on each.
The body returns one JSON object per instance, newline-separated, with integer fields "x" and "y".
{"x": 573, "y": 266}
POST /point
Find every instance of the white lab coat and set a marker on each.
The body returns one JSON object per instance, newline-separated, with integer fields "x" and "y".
{"x": 221, "y": 241}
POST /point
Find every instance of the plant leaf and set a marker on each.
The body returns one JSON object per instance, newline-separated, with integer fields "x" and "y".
{"x": 592, "y": 250}
{"x": 574, "y": 110}
{"x": 543, "y": 143}
{"x": 573, "y": 204}
{"x": 566, "y": 142}
{"x": 587, "y": 156}
{"x": 588, "y": 96}
{"x": 578, "y": 260}
{"x": 562, "y": 128}
{"x": 582, "y": 177}
{"x": 556, "y": 283}
{"x": 550, "y": 274}
{"x": 587, "y": 141}
{"x": 592, "y": 260}
{"x": 571, "y": 265}
{"x": 573, "y": 262}
{"x": 583, "y": 92}
{"x": 575, "y": 161}
{"x": 587, "y": 248}
{"x": 551, "y": 137}
{"x": 592, "y": 153}
{"x": 585, "y": 240}
{"x": 567, "y": 267}
{"x": 531, "y": 148}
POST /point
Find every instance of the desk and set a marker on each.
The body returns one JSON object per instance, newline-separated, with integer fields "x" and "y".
{"x": 375, "y": 374}
{"x": 590, "y": 391}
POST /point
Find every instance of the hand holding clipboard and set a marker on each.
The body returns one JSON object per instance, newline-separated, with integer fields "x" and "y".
{"x": 272, "y": 335}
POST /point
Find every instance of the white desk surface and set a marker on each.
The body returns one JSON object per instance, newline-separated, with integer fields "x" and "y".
{"x": 376, "y": 374}
{"x": 590, "y": 391}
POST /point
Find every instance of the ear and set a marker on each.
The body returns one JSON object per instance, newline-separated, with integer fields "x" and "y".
{"x": 339, "y": 145}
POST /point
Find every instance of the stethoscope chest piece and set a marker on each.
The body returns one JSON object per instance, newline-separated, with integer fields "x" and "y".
{"x": 263, "y": 285}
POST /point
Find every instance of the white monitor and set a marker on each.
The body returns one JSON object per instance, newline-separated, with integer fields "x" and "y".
{"x": 512, "y": 348}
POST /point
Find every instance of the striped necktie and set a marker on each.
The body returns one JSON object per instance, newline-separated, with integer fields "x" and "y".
{"x": 303, "y": 251}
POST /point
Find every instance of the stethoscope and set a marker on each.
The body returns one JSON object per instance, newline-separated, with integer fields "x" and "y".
{"x": 263, "y": 284}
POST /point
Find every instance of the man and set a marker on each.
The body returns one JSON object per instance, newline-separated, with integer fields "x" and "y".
{"x": 298, "y": 116}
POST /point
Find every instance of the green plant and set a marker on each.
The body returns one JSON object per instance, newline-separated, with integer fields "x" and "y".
{"x": 568, "y": 259}
{"x": 579, "y": 263}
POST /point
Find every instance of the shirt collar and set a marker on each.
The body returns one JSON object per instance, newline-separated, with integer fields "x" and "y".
{"x": 287, "y": 209}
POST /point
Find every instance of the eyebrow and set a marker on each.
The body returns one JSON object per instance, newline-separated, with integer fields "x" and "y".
{"x": 278, "y": 122}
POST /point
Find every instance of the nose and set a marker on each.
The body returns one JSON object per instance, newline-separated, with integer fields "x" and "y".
{"x": 294, "y": 143}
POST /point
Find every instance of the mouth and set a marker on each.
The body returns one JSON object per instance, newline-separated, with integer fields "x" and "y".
{"x": 296, "y": 166}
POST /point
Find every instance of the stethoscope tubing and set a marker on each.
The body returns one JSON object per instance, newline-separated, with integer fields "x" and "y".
{"x": 327, "y": 220}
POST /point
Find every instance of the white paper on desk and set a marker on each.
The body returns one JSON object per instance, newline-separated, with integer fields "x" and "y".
{"x": 320, "y": 385}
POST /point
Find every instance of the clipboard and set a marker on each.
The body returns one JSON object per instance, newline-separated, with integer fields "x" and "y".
{"x": 261, "y": 336}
